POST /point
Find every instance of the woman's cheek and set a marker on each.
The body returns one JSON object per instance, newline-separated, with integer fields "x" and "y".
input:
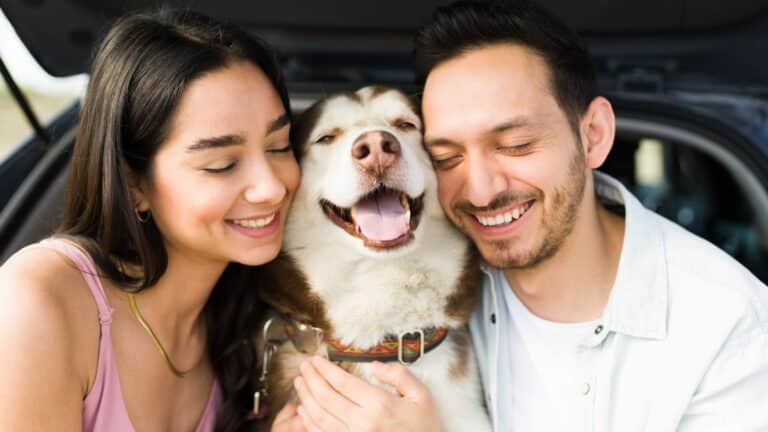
{"x": 185, "y": 200}
{"x": 290, "y": 173}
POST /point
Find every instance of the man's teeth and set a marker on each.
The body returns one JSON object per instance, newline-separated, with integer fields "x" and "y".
{"x": 503, "y": 218}
{"x": 255, "y": 223}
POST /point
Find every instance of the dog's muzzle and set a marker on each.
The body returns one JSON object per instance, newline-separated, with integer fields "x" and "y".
{"x": 375, "y": 152}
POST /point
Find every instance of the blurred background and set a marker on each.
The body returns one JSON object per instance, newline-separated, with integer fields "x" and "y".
{"x": 47, "y": 94}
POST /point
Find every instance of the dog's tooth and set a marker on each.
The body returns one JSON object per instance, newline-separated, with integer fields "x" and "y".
{"x": 516, "y": 213}
{"x": 404, "y": 202}
{"x": 352, "y": 213}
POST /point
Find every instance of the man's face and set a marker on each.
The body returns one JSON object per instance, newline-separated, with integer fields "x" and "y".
{"x": 511, "y": 171}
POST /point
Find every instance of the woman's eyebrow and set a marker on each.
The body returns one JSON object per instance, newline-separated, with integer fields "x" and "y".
{"x": 216, "y": 142}
{"x": 278, "y": 123}
{"x": 233, "y": 139}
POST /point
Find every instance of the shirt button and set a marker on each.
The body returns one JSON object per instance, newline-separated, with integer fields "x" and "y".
{"x": 599, "y": 329}
{"x": 585, "y": 388}
{"x": 493, "y": 318}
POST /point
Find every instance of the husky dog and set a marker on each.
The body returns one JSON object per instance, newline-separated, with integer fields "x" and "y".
{"x": 370, "y": 263}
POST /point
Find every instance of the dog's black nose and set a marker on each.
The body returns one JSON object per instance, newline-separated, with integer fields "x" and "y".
{"x": 376, "y": 151}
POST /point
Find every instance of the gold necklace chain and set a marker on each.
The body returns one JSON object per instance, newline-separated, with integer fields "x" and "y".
{"x": 160, "y": 347}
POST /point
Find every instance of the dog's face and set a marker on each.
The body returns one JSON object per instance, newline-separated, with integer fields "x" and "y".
{"x": 365, "y": 173}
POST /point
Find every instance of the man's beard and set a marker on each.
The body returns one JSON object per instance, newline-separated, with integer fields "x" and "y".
{"x": 557, "y": 226}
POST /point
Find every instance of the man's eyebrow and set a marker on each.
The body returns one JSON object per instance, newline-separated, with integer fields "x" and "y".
{"x": 216, "y": 142}
{"x": 278, "y": 123}
{"x": 514, "y": 123}
{"x": 433, "y": 142}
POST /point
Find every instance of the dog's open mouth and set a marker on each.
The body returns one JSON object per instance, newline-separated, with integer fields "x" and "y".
{"x": 383, "y": 219}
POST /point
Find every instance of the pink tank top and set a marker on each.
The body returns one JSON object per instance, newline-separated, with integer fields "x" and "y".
{"x": 103, "y": 407}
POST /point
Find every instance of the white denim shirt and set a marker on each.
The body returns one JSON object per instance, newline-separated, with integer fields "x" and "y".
{"x": 682, "y": 344}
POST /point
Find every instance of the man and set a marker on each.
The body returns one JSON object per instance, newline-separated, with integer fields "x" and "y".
{"x": 596, "y": 314}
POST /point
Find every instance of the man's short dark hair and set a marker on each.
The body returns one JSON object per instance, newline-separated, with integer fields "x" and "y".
{"x": 466, "y": 25}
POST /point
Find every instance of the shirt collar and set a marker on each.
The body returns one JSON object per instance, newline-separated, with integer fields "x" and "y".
{"x": 637, "y": 305}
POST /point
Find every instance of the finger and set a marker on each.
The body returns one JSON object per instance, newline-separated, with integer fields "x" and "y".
{"x": 307, "y": 422}
{"x": 288, "y": 411}
{"x": 353, "y": 388}
{"x": 399, "y": 377}
{"x": 292, "y": 424}
{"x": 320, "y": 419}
{"x": 288, "y": 420}
{"x": 326, "y": 395}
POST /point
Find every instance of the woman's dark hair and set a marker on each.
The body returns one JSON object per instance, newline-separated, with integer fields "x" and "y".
{"x": 138, "y": 76}
{"x": 466, "y": 25}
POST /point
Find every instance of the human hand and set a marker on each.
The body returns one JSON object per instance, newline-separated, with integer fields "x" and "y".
{"x": 288, "y": 420}
{"x": 334, "y": 400}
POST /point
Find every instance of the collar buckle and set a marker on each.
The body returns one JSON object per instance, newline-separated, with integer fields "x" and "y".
{"x": 401, "y": 347}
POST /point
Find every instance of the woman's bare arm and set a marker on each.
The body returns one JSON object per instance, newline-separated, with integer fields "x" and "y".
{"x": 40, "y": 387}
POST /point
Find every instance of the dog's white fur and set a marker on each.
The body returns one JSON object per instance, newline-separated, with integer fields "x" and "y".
{"x": 369, "y": 294}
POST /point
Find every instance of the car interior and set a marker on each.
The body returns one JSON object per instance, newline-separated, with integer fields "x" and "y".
{"x": 685, "y": 145}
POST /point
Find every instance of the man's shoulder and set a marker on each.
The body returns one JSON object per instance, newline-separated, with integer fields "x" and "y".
{"x": 705, "y": 279}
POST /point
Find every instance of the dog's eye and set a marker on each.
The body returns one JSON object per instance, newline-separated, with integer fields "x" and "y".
{"x": 404, "y": 125}
{"x": 325, "y": 139}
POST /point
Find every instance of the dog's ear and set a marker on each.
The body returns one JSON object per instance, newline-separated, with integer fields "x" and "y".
{"x": 414, "y": 101}
{"x": 303, "y": 125}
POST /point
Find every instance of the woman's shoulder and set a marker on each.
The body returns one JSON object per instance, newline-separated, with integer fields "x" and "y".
{"x": 46, "y": 339}
{"x": 42, "y": 290}
{"x": 38, "y": 272}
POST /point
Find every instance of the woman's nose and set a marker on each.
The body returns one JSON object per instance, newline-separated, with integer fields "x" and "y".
{"x": 264, "y": 186}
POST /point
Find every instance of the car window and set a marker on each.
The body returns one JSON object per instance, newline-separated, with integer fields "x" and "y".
{"x": 47, "y": 95}
{"x": 694, "y": 190}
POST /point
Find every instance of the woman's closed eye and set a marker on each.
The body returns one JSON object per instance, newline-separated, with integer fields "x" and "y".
{"x": 220, "y": 168}
{"x": 281, "y": 148}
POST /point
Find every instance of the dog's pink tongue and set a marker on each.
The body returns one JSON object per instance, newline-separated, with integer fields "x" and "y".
{"x": 381, "y": 217}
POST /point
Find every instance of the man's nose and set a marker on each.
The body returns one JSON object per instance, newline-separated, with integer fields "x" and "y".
{"x": 376, "y": 151}
{"x": 485, "y": 182}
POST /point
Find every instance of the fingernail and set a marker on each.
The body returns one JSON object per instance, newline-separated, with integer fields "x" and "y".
{"x": 298, "y": 382}
{"x": 301, "y": 412}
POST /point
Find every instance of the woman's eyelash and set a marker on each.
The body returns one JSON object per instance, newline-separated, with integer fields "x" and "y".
{"x": 285, "y": 149}
{"x": 220, "y": 170}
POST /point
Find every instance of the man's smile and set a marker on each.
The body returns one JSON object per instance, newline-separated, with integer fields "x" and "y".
{"x": 503, "y": 216}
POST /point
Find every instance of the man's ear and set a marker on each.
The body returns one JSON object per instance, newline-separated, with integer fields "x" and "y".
{"x": 598, "y": 129}
{"x": 137, "y": 188}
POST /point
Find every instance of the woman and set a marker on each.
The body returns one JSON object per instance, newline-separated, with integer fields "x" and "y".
{"x": 135, "y": 315}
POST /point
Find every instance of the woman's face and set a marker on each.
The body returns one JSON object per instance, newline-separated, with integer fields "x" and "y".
{"x": 219, "y": 187}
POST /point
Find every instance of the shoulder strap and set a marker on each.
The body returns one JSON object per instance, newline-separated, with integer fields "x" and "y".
{"x": 87, "y": 268}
